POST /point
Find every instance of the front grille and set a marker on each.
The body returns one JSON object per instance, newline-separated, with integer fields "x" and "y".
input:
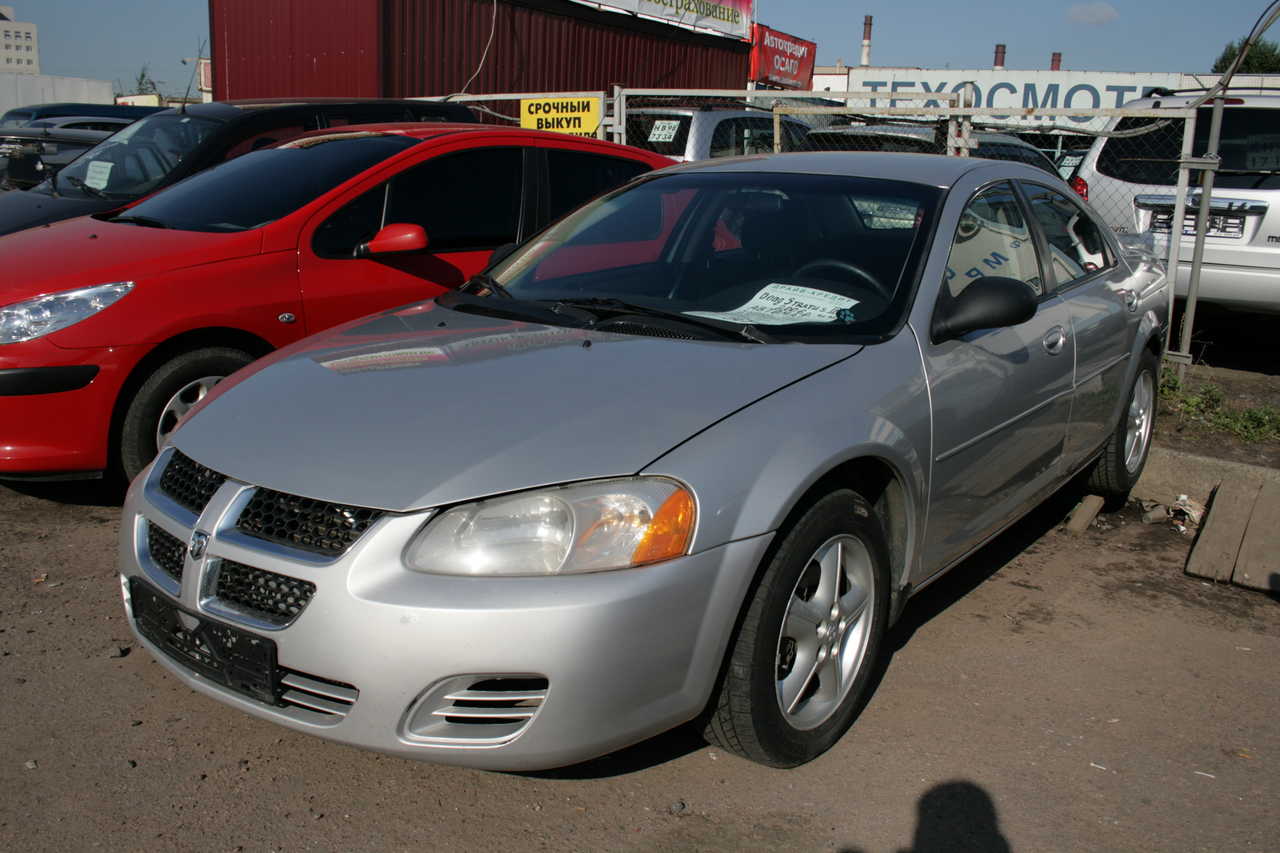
{"x": 274, "y": 598}
{"x": 168, "y": 552}
{"x": 488, "y": 710}
{"x": 311, "y": 525}
{"x": 188, "y": 482}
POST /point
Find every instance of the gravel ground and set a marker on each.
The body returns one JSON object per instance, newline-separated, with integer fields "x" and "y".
{"x": 1053, "y": 693}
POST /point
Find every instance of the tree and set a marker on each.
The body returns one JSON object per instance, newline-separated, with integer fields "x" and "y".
{"x": 1263, "y": 58}
{"x": 145, "y": 84}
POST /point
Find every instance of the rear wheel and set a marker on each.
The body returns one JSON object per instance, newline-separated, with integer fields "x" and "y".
{"x": 799, "y": 668}
{"x": 1117, "y": 471}
{"x": 167, "y": 395}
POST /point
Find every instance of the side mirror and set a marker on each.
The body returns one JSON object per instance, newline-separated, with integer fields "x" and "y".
{"x": 990, "y": 302}
{"x": 394, "y": 238}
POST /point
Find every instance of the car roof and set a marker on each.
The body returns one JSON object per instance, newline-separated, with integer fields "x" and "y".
{"x": 1180, "y": 101}
{"x": 232, "y": 110}
{"x": 916, "y": 133}
{"x": 934, "y": 170}
{"x": 431, "y": 130}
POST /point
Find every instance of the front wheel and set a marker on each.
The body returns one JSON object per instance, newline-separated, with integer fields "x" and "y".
{"x": 800, "y": 666}
{"x": 167, "y": 395}
{"x": 1125, "y": 455}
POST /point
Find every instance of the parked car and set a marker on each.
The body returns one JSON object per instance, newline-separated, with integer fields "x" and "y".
{"x": 170, "y": 145}
{"x": 689, "y": 459}
{"x": 704, "y": 133}
{"x": 1131, "y": 180}
{"x": 23, "y": 116}
{"x": 28, "y": 155}
{"x": 112, "y": 326}
{"x": 923, "y": 140}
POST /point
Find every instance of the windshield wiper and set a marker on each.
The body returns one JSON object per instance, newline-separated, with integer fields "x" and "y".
{"x": 619, "y": 307}
{"x": 482, "y": 284}
{"x": 146, "y": 221}
{"x": 83, "y": 187}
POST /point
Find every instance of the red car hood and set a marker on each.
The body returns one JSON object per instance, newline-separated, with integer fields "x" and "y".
{"x": 87, "y": 251}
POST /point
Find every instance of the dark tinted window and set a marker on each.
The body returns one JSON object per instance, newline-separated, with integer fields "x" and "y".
{"x": 263, "y": 186}
{"x": 355, "y": 223}
{"x": 1076, "y": 246}
{"x": 576, "y": 177}
{"x": 665, "y": 134}
{"x": 1249, "y": 141}
{"x": 836, "y": 141}
{"x": 469, "y": 200}
{"x": 1016, "y": 153}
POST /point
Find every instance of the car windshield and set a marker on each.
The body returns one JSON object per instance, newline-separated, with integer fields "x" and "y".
{"x": 792, "y": 256}
{"x": 137, "y": 159}
{"x": 15, "y": 118}
{"x": 263, "y": 186}
{"x": 1249, "y": 147}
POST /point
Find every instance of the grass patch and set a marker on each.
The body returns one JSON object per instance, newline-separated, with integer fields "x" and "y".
{"x": 1203, "y": 404}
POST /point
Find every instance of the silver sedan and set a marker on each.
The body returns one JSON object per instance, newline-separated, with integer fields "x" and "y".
{"x": 685, "y": 455}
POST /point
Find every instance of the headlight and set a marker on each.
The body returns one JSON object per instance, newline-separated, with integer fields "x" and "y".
{"x": 588, "y": 527}
{"x": 25, "y": 321}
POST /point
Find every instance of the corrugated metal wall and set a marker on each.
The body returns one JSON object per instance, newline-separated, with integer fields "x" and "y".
{"x": 404, "y": 48}
{"x": 433, "y": 46}
{"x": 295, "y": 48}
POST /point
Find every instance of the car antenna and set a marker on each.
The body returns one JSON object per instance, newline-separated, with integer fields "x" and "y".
{"x": 195, "y": 69}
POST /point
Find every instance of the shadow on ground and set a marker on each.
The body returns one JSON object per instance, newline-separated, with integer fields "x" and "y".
{"x": 105, "y": 492}
{"x": 954, "y": 816}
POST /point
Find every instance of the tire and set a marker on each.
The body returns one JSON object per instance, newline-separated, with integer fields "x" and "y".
{"x": 167, "y": 394}
{"x": 779, "y": 702}
{"x": 1125, "y": 454}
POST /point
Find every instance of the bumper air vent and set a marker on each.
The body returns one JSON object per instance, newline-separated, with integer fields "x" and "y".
{"x": 477, "y": 710}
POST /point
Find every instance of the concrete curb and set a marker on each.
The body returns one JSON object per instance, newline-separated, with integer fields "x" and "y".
{"x": 1170, "y": 473}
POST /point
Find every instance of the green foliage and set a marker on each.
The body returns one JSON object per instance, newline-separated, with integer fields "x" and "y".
{"x": 1263, "y": 58}
{"x": 1204, "y": 405}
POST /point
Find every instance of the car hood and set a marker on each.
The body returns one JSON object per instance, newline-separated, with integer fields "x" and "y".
{"x": 87, "y": 251}
{"x": 428, "y": 406}
{"x": 20, "y": 210}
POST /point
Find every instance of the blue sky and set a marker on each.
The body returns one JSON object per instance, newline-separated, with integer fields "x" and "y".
{"x": 111, "y": 40}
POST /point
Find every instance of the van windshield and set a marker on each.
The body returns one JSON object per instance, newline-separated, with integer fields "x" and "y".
{"x": 1249, "y": 145}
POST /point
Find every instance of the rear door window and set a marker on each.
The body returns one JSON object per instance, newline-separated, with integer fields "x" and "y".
{"x": 1077, "y": 249}
{"x": 734, "y": 137}
{"x": 665, "y": 134}
{"x": 578, "y": 176}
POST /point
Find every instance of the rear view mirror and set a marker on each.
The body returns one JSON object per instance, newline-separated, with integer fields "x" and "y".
{"x": 990, "y": 302}
{"x": 395, "y": 238}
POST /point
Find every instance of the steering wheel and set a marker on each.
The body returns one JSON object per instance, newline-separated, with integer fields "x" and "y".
{"x": 857, "y": 272}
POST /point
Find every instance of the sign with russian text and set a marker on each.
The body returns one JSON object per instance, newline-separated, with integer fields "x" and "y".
{"x": 723, "y": 17}
{"x": 575, "y": 116}
{"x": 781, "y": 59}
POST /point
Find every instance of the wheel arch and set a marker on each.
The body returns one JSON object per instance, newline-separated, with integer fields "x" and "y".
{"x": 188, "y": 341}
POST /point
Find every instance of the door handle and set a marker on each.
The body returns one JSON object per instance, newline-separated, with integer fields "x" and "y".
{"x": 1055, "y": 340}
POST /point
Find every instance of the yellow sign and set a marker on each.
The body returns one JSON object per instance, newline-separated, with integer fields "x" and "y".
{"x": 575, "y": 116}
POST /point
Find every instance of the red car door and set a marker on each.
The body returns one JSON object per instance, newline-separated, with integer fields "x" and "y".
{"x": 468, "y": 201}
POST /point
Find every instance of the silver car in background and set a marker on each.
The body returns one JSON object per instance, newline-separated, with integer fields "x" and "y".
{"x": 688, "y": 134}
{"x": 684, "y": 455}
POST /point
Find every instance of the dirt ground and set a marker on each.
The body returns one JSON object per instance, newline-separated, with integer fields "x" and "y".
{"x": 1240, "y": 390}
{"x": 1053, "y": 693}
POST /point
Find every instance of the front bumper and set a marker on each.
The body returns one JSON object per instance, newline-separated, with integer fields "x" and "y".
{"x": 56, "y": 406}
{"x": 589, "y": 663}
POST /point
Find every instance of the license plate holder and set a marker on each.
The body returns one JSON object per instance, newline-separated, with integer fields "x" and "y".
{"x": 235, "y": 659}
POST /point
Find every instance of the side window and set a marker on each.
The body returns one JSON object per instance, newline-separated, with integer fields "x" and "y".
{"x": 1076, "y": 246}
{"x": 354, "y": 223}
{"x": 992, "y": 238}
{"x": 365, "y": 114}
{"x": 468, "y": 200}
{"x": 735, "y": 136}
{"x": 576, "y": 177}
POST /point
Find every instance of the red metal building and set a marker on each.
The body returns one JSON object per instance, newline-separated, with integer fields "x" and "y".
{"x": 406, "y": 48}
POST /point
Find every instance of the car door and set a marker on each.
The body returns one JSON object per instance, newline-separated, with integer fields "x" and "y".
{"x": 1001, "y": 398}
{"x": 467, "y": 201}
{"x": 1086, "y": 274}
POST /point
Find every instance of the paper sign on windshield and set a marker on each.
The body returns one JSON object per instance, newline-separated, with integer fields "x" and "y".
{"x": 97, "y": 174}
{"x": 664, "y": 130}
{"x": 778, "y": 304}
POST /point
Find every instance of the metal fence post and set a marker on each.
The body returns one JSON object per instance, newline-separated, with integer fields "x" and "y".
{"x": 1202, "y": 228}
{"x": 1179, "y": 216}
{"x": 619, "y": 115}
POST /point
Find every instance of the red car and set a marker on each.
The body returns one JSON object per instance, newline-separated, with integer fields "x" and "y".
{"x": 111, "y": 327}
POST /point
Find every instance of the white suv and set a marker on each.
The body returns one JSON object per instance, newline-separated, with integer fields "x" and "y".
{"x": 1131, "y": 181}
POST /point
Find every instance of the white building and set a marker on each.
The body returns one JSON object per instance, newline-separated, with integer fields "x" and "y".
{"x": 19, "y": 47}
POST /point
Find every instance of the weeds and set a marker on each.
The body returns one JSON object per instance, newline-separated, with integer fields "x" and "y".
{"x": 1204, "y": 404}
